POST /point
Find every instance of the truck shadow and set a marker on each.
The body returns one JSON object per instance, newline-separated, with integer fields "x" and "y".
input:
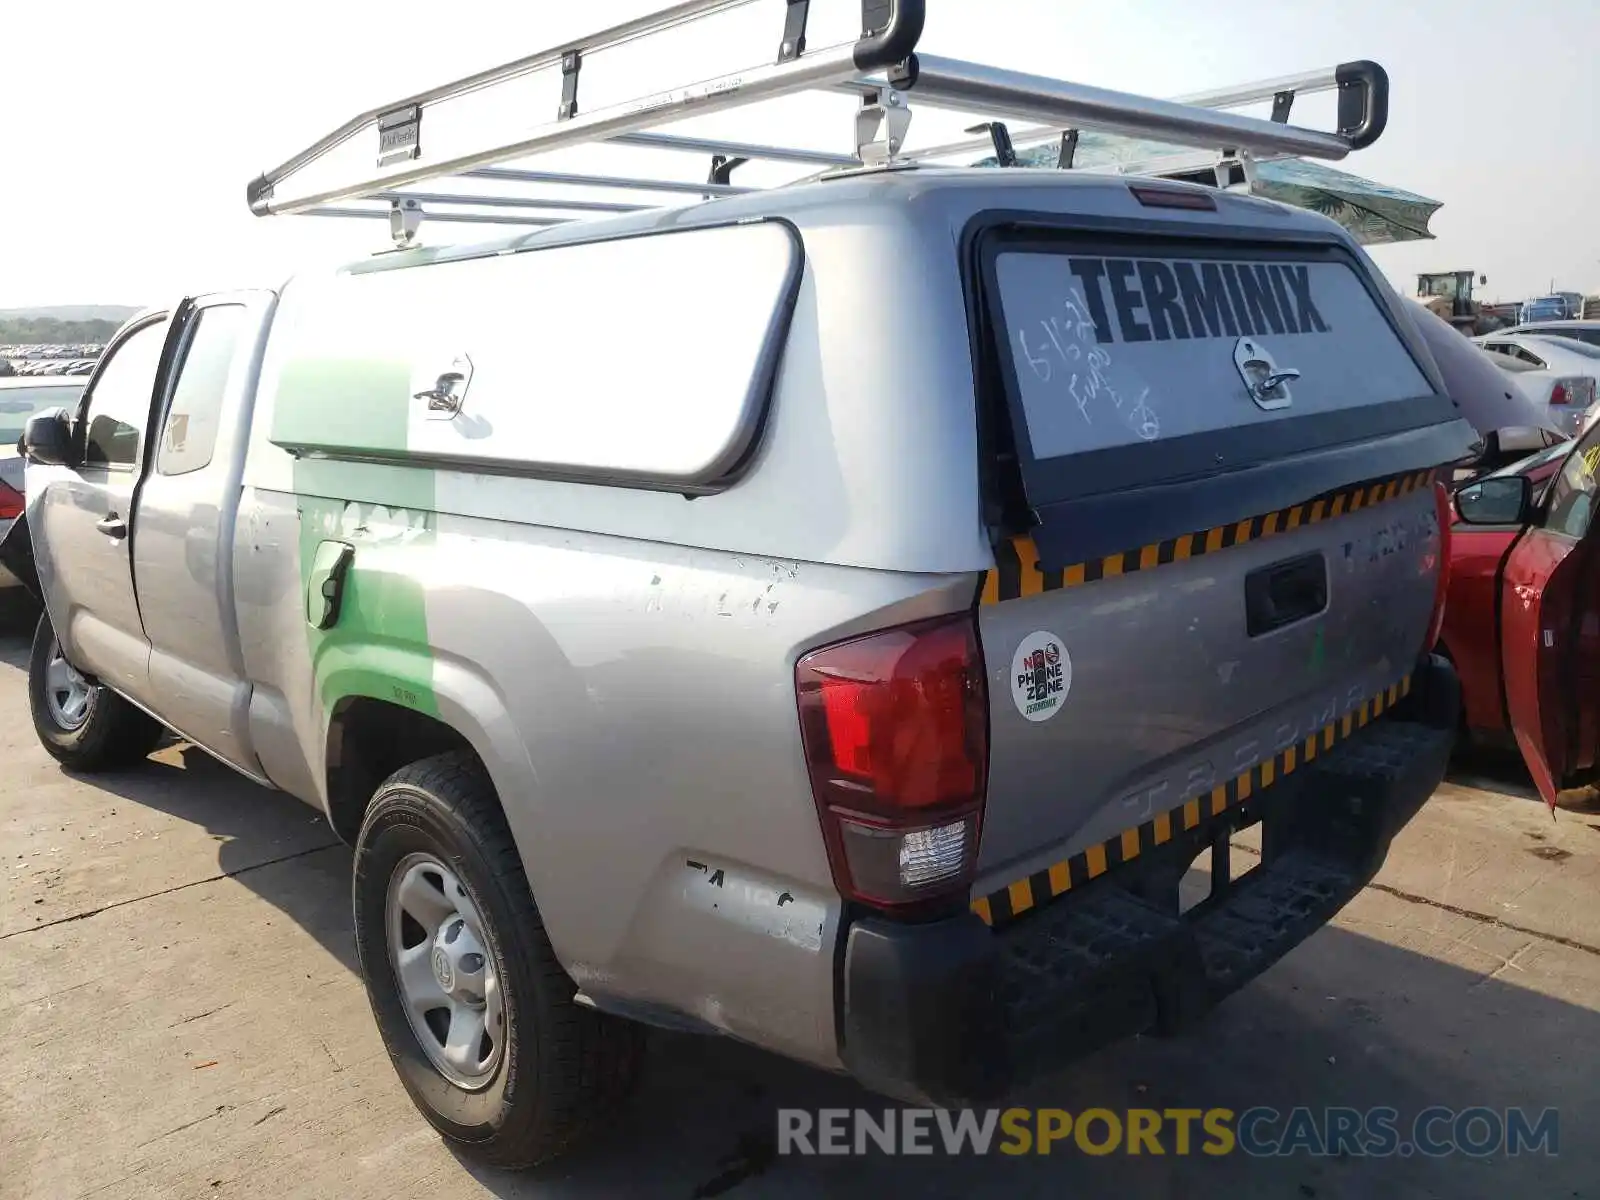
{"x": 19, "y": 613}
{"x": 14, "y": 651}
{"x": 1347, "y": 1020}
{"x": 278, "y": 847}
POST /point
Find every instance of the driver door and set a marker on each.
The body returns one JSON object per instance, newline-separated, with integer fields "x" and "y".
{"x": 1550, "y": 627}
{"x": 82, "y": 514}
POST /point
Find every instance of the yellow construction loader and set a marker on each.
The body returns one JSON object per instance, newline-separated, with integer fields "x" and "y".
{"x": 1448, "y": 294}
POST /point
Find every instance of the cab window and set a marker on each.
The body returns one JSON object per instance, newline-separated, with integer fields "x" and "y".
{"x": 189, "y": 432}
{"x": 119, "y": 404}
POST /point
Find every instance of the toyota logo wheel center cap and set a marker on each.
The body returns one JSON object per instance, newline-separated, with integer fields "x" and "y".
{"x": 443, "y": 970}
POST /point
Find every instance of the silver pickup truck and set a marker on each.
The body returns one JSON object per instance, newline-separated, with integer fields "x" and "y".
{"x": 835, "y": 616}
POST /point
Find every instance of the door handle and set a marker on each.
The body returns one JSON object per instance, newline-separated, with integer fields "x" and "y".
{"x": 112, "y": 526}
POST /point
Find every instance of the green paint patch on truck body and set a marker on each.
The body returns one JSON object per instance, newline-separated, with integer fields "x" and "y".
{"x": 354, "y": 397}
{"x": 379, "y": 645}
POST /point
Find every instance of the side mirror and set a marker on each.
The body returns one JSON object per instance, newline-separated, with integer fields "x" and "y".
{"x": 1483, "y": 279}
{"x": 1502, "y": 500}
{"x": 47, "y": 438}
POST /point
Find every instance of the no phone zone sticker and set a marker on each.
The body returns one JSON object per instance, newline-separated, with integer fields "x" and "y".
{"x": 1041, "y": 676}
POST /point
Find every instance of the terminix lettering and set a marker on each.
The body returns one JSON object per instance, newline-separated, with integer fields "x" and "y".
{"x": 1142, "y": 300}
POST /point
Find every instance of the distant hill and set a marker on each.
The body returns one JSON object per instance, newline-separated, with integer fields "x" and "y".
{"x": 61, "y": 323}
{"x": 70, "y": 312}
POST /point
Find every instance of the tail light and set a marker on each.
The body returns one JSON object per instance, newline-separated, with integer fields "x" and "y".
{"x": 1569, "y": 399}
{"x": 10, "y": 502}
{"x": 895, "y": 729}
{"x": 1446, "y": 512}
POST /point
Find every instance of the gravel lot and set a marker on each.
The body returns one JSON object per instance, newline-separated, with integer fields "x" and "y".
{"x": 180, "y": 1017}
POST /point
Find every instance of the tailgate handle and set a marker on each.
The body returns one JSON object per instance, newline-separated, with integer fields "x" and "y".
{"x": 1285, "y": 592}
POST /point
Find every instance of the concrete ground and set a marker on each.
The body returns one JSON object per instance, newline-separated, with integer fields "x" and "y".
{"x": 180, "y": 1017}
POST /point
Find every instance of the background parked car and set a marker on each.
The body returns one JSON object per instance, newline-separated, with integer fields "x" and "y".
{"x": 1557, "y": 306}
{"x": 1580, "y": 331}
{"x": 1468, "y": 635}
{"x": 20, "y": 398}
{"x": 1510, "y": 425}
{"x": 1529, "y": 635}
{"x": 1556, "y": 373}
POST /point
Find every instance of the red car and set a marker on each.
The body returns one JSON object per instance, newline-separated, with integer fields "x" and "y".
{"x": 1522, "y": 611}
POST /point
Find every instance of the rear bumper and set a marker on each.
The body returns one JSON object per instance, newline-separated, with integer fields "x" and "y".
{"x": 951, "y": 1012}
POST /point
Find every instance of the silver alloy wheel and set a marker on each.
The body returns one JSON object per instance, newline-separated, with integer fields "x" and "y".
{"x": 443, "y": 960}
{"x": 66, "y": 692}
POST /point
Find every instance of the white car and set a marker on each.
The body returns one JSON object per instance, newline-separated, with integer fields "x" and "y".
{"x": 1578, "y": 331}
{"x": 1556, "y": 373}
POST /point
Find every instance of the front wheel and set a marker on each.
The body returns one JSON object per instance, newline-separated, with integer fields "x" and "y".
{"x": 476, "y": 1012}
{"x": 81, "y": 723}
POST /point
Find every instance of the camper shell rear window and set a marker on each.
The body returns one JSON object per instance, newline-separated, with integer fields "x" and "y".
{"x": 1126, "y": 364}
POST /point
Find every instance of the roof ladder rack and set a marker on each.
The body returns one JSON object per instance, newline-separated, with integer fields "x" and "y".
{"x": 881, "y": 68}
{"x": 1363, "y": 114}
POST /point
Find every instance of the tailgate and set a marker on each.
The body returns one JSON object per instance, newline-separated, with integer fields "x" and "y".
{"x": 1226, "y": 455}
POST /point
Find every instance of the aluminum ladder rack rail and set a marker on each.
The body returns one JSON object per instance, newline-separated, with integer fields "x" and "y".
{"x": 881, "y": 67}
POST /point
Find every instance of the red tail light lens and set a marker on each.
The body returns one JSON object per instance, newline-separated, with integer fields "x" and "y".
{"x": 1446, "y": 512}
{"x": 895, "y": 729}
{"x": 1558, "y": 396}
{"x": 10, "y": 502}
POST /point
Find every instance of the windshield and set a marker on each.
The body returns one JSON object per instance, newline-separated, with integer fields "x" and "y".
{"x": 1573, "y": 345}
{"x": 1526, "y": 465}
{"x": 18, "y": 404}
{"x": 1447, "y": 286}
{"x": 1588, "y": 334}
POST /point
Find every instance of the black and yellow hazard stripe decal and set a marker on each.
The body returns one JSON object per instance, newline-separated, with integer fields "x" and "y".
{"x": 1000, "y": 907}
{"x": 1017, "y": 573}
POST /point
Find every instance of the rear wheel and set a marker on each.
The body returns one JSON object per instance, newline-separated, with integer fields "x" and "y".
{"x": 477, "y": 1013}
{"x": 81, "y": 723}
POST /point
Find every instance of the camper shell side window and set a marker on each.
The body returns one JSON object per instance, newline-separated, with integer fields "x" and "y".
{"x": 645, "y": 361}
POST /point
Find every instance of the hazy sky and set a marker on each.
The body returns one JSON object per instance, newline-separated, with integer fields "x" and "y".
{"x": 133, "y": 129}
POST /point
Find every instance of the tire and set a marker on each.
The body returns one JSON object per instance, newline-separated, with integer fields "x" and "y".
{"x": 105, "y": 734}
{"x": 561, "y": 1067}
